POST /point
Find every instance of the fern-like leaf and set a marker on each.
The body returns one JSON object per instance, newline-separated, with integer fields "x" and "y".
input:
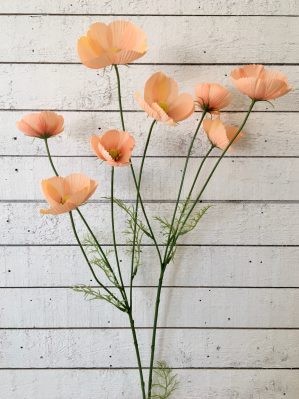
{"x": 91, "y": 293}
{"x": 192, "y": 222}
{"x": 97, "y": 259}
{"x": 165, "y": 382}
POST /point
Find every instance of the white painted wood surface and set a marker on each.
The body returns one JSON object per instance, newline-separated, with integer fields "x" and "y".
{"x": 240, "y": 268}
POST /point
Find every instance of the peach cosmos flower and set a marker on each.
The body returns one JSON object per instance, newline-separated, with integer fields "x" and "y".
{"x": 212, "y": 97}
{"x": 259, "y": 83}
{"x": 219, "y": 134}
{"x": 64, "y": 194}
{"x": 114, "y": 146}
{"x": 43, "y": 124}
{"x": 120, "y": 42}
{"x": 162, "y": 100}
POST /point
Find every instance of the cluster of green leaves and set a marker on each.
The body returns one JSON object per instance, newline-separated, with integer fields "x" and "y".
{"x": 135, "y": 227}
{"x": 165, "y": 382}
{"x": 91, "y": 293}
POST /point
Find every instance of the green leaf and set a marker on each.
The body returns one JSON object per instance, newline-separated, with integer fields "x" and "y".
{"x": 164, "y": 383}
{"x": 91, "y": 293}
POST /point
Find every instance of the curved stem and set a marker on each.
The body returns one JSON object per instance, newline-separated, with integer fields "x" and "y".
{"x": 120, "y": 287}
{"x": 132, "y": 168}
{"x": 87, "y": 260}
{"x": 119, "y": 98}
{"x": 50, "y": 158}
{"x": 136, "y": 206}
{"x": 153, "y": 345}
{"x": 217, "y": 163}
{"x": 172, "y": 241}
{"x": 182, "y": 182}
{"x": 113, "y": 233}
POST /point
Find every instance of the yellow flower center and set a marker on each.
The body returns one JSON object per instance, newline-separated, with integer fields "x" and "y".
{"x": 164, "y": 106}
{"x": 64, "y": 199}
{"x": 115, "y": 50}
{"x": 115, "y": 154}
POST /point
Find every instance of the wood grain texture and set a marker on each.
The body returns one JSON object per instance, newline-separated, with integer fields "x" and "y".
{"x": 194, "y": 266}
{"x": 231, "y": 299}
{"x": 226, "y": 223}
{"x": 175, "y": 7}
{"x": 74, "y": 87}
{"x": 267, "y": 134}
{"x": 179, "y": 348}
{"x": 213, "y": 307}
{"x": 237, "y": 179}
{"x": 209, "y": 384}
{"x": 197, "y": 42}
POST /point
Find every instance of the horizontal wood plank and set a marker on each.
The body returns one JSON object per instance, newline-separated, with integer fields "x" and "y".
{"x": 176, "y": 7}
{"x": 246, "y": 224}
{"x": 235, "y": 179}
{"x": 194, "y": 266}
{"x": 179, "y": 348}
{"x": 267, "y": 134}
{"x": 74, "y": 87}
{"x": 185, "y": 39}
{"x": 214, "y": 307}
{"x": 112, "y": 384}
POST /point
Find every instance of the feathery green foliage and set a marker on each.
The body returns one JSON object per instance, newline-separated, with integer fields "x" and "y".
{"x": 97, "y": 258}
{"x": 165, "y": 382}
{"x": 91, "y": 293}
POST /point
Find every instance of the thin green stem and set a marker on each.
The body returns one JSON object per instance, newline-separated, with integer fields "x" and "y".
{"x": 136, "y": 206}
{"x": 87, "y": 260}
{"x": 153, "y": 345}
{"x": 119, "y": 98}
{"x": 217, "y": 163}
{"x": 113, "y": 233}
{"x": 172, "y": 242}
{"x": 133, "y": 329}
{"x": 182, "y": 182}
{"x": 49, "y": 156}
{"x": 117, "y": 283}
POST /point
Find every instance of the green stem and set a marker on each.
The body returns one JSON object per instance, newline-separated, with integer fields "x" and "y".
{"x": 153, "y": 345}
{"x": 172, "y": 242}
{"x": 182, "y": 183}
{"x": 136, "y": 206}
{"x": 87, "y": 260}
{"x": 113, "y": 233}
{"x": 119, "y": 98}
{"x": 217, "y": 163}
{"x": 135, "y": 341}
{"x": 50, "y": 158}
{"x": 119, "y": 285}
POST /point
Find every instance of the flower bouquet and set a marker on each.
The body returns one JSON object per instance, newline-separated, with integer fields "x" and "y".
{"x": 108, "y": 46}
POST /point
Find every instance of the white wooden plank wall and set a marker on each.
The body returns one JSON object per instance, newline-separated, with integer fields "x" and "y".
{"x": 240, "y": 270}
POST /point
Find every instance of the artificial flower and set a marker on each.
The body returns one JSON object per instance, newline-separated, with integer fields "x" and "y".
{"x": 219, "y": 134}
{"x": 43, "y": 124}
{"x": 259, "y": 83}
{"x": 212, "y": 97}
{"x": 162, "y": 100}
{"x": 64, "y": 194}
{"x": 114, "y": 146}
{"x": 120, "y": 42}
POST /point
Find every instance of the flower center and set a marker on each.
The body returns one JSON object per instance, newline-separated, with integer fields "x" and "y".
{"x": 115, "y": 50}
{"x": 114, "y": 154}
{"x": 64, "y": 199}
{"x": 164, "y": 106}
